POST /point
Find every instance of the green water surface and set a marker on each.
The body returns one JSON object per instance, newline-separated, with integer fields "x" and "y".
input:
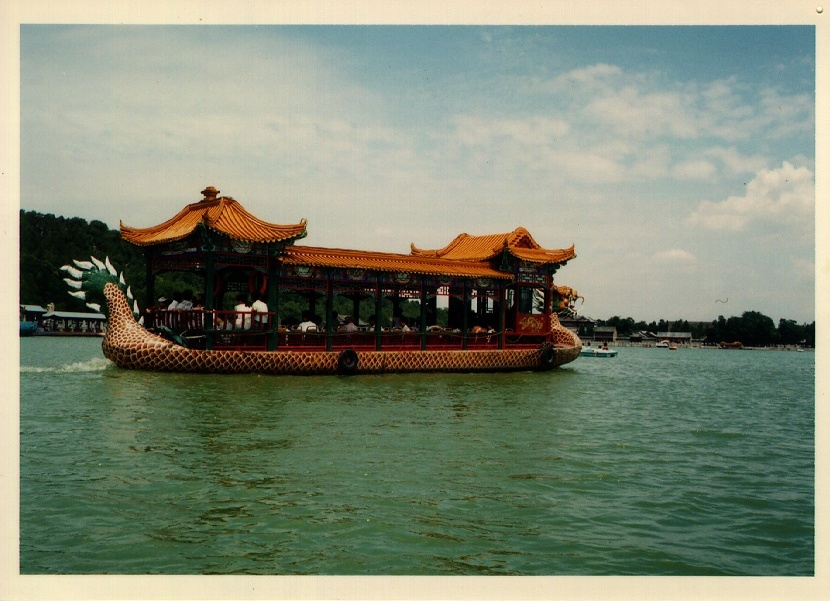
{"x": 694, "y": 462}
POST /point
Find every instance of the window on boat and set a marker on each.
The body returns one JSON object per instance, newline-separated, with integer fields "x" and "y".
{"x": 526, "y": 300}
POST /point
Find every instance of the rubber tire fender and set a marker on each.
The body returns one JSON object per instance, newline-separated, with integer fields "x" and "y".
{"x": 347, "y": 362}
{"x": 548, "y": 357}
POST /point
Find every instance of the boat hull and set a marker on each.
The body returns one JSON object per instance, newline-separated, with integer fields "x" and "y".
{"x": 175, "y": 358}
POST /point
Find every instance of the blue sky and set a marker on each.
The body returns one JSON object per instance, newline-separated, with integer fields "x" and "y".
{"x": 679, "y": 160}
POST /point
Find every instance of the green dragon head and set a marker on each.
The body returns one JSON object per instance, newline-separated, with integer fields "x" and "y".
{"x": 88, "y": 280}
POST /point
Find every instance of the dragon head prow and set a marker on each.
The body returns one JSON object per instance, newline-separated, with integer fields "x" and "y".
{"x": 88, "y": 278}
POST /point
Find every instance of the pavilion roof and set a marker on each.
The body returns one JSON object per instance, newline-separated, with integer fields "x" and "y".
{"x": 518, "y": 243}
{"x": 223, "y": 215}
{"x": 389, "y": 262}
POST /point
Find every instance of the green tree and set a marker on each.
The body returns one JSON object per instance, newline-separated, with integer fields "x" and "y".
{"x": 48, "y": 242}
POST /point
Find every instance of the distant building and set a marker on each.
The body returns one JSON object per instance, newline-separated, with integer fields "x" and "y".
{"x": 605, "y": 333}
{"x": 31, "y": 312}
{"x": 579, "y": 325}
{"x": 677, "y": 337}
{"x": 76, "y": 323}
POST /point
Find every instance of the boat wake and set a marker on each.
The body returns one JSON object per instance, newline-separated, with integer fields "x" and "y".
{"x": 96, "y": 364}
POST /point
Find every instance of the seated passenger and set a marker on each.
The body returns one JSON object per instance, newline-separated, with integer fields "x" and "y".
{"x": 161, "y": 305}
{"x": 259, "y": 306}
{"x": 174, "y": 304}
{"x": 186, "y": 304}
{"x": 243, "y": 313}
{"x": 307, "y": 323}
{"x": 348, "y": 325}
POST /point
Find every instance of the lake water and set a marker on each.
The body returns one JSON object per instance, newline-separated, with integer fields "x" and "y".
{"x": 656, "y": 462}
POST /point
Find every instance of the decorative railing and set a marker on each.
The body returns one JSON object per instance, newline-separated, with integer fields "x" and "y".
{"x": 209, "y": 320}
{"x": 250, "y": 330}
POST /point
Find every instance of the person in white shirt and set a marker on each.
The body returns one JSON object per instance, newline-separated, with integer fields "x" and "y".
{"x": 260, "y": 321}
{"x": 243, "y": 313}
{"x": 186, "y": 304}
{"x": 306, "y": 323}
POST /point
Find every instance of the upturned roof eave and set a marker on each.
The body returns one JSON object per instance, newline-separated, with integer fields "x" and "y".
{"x": 211, "y": 213}
{"x": 547, "y": 255}
{"x": 388, "y": 262}
{"x": 465, "y": 247}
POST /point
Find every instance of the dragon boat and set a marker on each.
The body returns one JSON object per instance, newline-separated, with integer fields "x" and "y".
{"x": 496, "y": 295}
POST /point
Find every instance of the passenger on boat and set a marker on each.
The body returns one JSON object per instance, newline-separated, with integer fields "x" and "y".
{"x": 260, "y": 321}
{"x": 348, "y": 326}
{"x": 186, "y": 304}
{"x": 306, "y": 323}
{"x": 372, "y": 324}
{"x": 154, "y": 315}
{"x": 243, "y": 313}
{"x": 161, "y": 305}
{"x": 198, "y": 320}
{"x": 174, "y": 304}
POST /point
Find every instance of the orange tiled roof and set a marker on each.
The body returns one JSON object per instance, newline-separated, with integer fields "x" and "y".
{"x": 223, "y": 215}
{"x": 389, "y": 262}
{"x": 519, "y": 243}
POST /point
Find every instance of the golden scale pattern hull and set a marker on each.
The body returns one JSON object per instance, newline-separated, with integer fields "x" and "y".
{"x": 130, "y": 346}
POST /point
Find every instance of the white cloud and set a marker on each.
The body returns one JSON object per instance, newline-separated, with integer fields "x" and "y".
{"x": 592, "y": 74}
{"x": 734, "y": 161}
{"x": 694, "y": 169}
{"x": 476, "y": 131}
{"x": 634, "y": 111}
{"x": 674, "y": 255}
{"x": 785, "y": 194}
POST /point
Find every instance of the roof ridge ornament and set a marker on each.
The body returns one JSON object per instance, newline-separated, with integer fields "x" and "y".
{"x": 210, "y": 193}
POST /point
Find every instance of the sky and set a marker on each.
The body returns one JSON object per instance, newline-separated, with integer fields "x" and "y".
{"x": 679, "y": 160}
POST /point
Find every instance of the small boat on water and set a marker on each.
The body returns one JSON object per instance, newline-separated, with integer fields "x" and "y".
{"x": 662, "y": 344}
{"x": 498, "y": 289}
{"x": 28, "y": 328}
{"x": 30, "y": 319}
{"x": 597, "y": 352}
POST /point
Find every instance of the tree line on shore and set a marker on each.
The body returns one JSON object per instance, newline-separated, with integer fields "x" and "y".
{"x": 751, "y": 328}
{"x": 47, "y": 242}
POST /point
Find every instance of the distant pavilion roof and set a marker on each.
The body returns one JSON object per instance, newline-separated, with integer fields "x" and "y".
{"x": 224, "y": 215}
{"x": 74, "y": 315}
{"x": 32, "y": 309}
{"x": 389, "y": 262}
{"x": 518, "y": 243}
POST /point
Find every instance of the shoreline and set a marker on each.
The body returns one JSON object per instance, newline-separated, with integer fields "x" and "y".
{"x": 700, "y": 346}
